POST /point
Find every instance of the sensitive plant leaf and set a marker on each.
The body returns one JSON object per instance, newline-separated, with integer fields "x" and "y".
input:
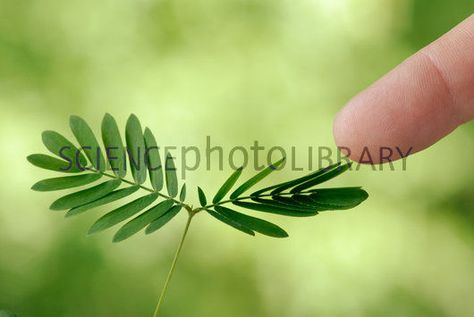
{"x": 171, "y": 177}
{"x": 230, "y": 222}
{"x": 163, "y": 220}
{"x": 143, "y": 220}
{"x": 107, "y": 199}
{"x": 85, "y": 196}
{"x": 202, "y": 197}
{"x": 153, "y": 161}
{"x": 53, "y": 164}
{"x": 287, "y": 203}
{"x": 256, "y": 224}
{"x": 282, "y": 187}
{"x": 122, "y": 213}
{"x": 88, "y": 142}
{"x": 226, "y": 187}
{"x": 63, "y": 148}
{"x": 66, "y": 182}
{"x": 136, "y": 149}
{"x": 257, "y": 178}
{"x": 279, "y": 210}
{"x": 341, "y": 198}
{"x": 182, "y": 193}
{"x": 114, "y": 148}
{"x": 322, "y": 178}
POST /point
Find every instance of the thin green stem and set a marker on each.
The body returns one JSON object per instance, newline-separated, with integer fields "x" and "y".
{"x": 173, "y": 266}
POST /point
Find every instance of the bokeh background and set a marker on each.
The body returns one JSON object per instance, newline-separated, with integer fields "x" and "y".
{"x": 237, "y": 70}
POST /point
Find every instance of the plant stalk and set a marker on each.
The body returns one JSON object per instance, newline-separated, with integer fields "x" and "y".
{"x": 173, "y": 265}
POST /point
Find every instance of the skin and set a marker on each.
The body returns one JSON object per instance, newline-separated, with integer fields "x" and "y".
{"x": 416, "y": 104}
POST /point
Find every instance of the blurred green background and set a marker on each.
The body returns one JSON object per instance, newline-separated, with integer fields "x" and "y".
{"x": 236, "y": 70}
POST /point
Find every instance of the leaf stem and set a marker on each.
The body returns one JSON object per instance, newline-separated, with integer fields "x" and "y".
{"x": 173, "y": 265}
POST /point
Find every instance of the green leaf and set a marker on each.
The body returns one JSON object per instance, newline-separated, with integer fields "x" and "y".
{"x": 171, "y": 177}
{"x": 136, "y": 149}
{"x": 63, "y": 148}
{"x": 122, "y": 213}
{"x": 231, "y": 222}
{"x": 143, "y": 220}
{"x": 163, "y": 220}
{"x": 59, "y": 183}
{"x": 87, "y": 140}
{"x": 339, "y": 198}
{"x": 202, "y": 197}
{"x": 114, "y": 148}
{"x": 153, "y": 161}
{"x": 226, "y": 187}
{"x": 284, "y": 186}
{"x": 290, "y": 203}
{"x": 257, "y": 178}
{"x": 182, "y": 194}
{"x": 111, "y": 197}
{"x": 256, "y": 224}
{"x": 53, "y": 164}
{"x": 322, "y": 178}
{"x": 286, "y": 202}
{"x": 85, "y": 196}
{"x": 279, "y": 210}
